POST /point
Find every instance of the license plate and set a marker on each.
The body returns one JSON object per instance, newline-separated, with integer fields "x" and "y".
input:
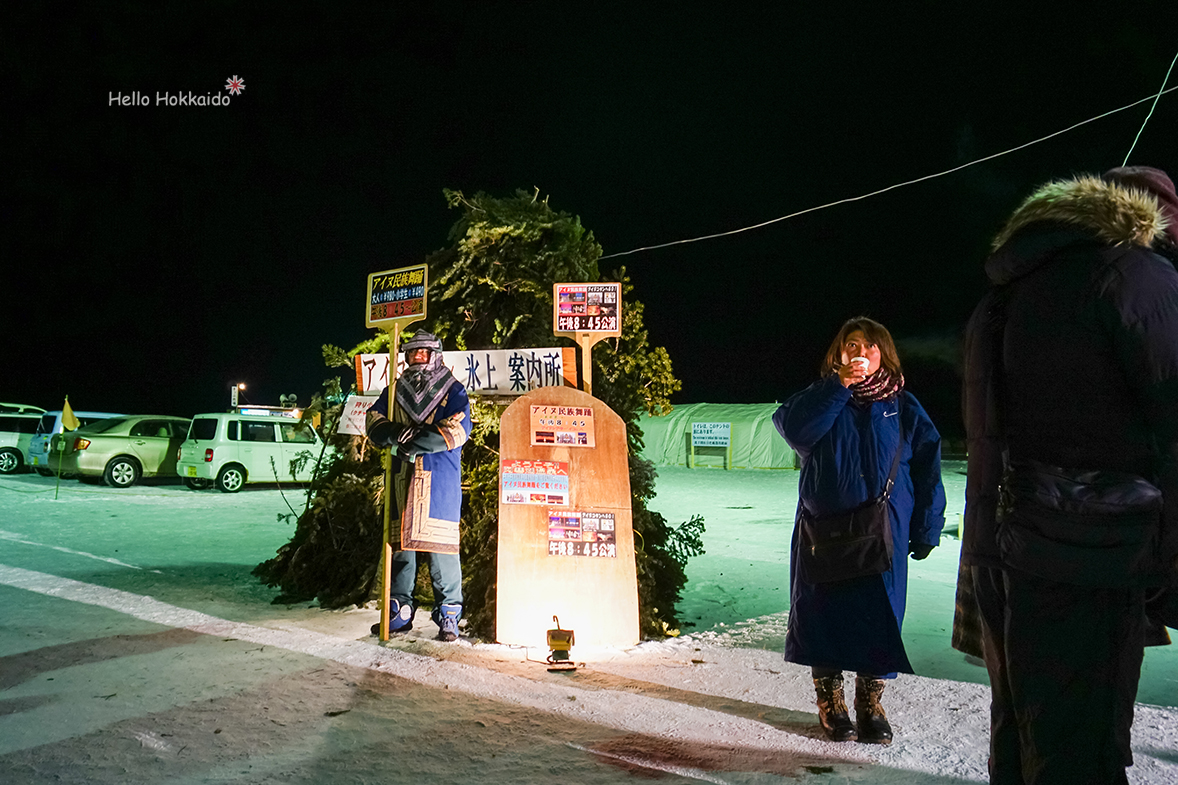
{"x": 191, "y": 470}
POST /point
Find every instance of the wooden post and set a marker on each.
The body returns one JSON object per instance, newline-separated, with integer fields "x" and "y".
{"x": 386, "y": 459}
{"x": 587, "y": 341}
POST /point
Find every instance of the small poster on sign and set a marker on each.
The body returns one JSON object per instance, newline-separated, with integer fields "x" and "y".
{"x": 562, "y": 426}
{"x": 534, "y": 482}
{"x": 353, "y": 419}
{"x": 588, "y": 308}
{"x": 574, "y": 533}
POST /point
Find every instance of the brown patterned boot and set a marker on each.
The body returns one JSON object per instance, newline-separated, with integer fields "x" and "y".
{"x": 832, "y": 709}
{"x": 869, "y": 712}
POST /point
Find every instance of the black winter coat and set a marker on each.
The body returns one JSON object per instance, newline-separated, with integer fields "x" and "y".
{"x": 1084, "y": 371}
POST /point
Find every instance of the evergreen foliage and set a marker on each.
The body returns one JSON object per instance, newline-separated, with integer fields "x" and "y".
{"x": 492, "y": 288}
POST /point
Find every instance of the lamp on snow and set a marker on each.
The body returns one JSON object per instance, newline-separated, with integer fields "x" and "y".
{"x": 560, "y": 642}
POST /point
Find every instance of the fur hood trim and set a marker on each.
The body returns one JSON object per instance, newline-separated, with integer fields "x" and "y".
{"x": 1116, "y": 214}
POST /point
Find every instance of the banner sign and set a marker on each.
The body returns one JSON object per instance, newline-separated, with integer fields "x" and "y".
{"x": 396, "y": 295}
{"x": 711, "y": 434}
{"x": 355, "y": 414}
{"x": 534, "y": 482}
{"x": 572, "y": 533}
{"x": 484, "y": 372}
{"x": 562, "y": 426}
{"x": 587, "y": 308}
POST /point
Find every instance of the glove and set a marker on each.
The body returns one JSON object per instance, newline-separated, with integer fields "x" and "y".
{"x": 409, "y": 434}
{"x": 407, "y": 453}
{"x": 383, "y": 434}
{"x": 920, "y": 550}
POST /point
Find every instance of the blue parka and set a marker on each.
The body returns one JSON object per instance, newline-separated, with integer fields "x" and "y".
{"x": 847, "y": 451}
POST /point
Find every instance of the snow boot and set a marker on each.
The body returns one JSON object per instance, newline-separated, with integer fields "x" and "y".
{"x": 400, "y": 618}
{"x": 869, "y": 712}
{"x": 832, "y": 709}
{"x": 447, "y": 617}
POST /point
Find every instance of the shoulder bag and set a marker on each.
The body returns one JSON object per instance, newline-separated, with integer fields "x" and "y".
{"x": 851, "y": 544}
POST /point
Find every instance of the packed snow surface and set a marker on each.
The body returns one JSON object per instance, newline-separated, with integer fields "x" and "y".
{"x": 135, "y": 646}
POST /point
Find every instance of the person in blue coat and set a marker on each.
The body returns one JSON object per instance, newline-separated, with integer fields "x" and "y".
{"x": 429, "y": 424}
{"x": 846, "y": 428}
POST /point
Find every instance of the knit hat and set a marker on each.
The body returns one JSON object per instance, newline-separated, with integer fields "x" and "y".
{"x": 1157, "y": 183}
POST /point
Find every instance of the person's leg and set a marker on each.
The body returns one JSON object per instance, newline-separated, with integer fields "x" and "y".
{"x": 870, "y": 717}
{"x": 832, "y": 704}
{"x": 1074, "y": 658}
{"x": 403, "y": 569}
{"x": 1005, "y": 762}
{"x": 446, "y": 572}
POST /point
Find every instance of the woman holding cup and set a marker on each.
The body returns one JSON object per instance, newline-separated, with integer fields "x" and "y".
{"x": 862, "y": 439}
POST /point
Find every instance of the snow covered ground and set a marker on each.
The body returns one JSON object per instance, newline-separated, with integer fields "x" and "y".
{"x": 136, "y": 647}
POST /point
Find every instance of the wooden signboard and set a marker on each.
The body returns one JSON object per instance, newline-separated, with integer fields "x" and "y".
{"x": 566, "y": 539}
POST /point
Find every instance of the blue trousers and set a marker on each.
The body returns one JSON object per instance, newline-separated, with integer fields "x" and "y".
{"x": 445, "y": 571}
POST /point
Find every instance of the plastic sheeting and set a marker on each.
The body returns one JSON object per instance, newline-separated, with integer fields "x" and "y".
{"x": 755, "y": 442}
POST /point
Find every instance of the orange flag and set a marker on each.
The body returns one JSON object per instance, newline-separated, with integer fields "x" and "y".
{"x": 68, "y": 420}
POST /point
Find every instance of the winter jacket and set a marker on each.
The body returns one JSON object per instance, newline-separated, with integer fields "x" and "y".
{"x": 437, "y": 450}
{"x": 1072, "y": 358}
{"x": 847, "y": 451}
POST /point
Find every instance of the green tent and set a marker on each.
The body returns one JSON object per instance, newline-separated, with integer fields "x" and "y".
{"x": 755, "y": 442}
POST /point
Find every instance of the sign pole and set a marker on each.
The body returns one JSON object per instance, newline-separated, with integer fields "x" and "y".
{"x": 586, "y": 341}
{"x": 395, "y": 298}
{"x": 386, "y": 460}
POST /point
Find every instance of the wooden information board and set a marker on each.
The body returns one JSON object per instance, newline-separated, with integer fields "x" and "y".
{"x": 568, "y": 553}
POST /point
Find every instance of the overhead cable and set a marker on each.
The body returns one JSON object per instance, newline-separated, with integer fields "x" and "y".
{"x": 891, "y": 187}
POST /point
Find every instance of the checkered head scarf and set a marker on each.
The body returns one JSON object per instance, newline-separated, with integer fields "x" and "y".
{"x": 420, "y": 388}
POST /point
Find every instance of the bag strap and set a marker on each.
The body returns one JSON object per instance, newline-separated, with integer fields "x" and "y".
{"x": 899, "y": 449}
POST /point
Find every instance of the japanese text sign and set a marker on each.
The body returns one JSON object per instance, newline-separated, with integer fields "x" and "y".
{"x": 711, "y": 434}
{"x": 534, "y": 482}
{"x": 397, "y": 296}
{"x": 573, "y": 533}
{"x": 562, "y": 426}
{"x": 487, "y": 372}
{"x": 587, "y": 308}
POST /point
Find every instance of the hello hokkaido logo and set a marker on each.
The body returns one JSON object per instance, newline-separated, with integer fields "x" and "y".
{"x": 234, "y": 85}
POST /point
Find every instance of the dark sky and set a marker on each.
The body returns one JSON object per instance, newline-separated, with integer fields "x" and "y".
{"x": 155, "y": 254}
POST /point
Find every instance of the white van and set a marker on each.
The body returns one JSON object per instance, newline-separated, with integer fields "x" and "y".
{"x": 16, "y": 431}
{"x": 230, "y": 450}
{"x": 49, "y": 427}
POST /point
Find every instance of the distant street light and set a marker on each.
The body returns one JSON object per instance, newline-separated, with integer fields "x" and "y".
{"x": 233, "y": 390}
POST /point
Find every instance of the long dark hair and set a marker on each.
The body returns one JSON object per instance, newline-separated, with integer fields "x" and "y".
{"x": 875, "y": 333}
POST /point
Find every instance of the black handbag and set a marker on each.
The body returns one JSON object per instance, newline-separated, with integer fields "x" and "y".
{"x": 1086, "y": 528}
{"x": 851, "y": 544}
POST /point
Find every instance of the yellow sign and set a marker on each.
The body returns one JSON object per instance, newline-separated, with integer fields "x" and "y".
{"x": 397, "y": 296}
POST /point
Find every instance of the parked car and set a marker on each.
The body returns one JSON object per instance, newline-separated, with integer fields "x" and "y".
{"x": 16, "y": 431}
{"x": 20, "y": 408}
{"x": 120, "y": 450}
{"x": 49, "y": 426}
{"x": 231, "y": 449}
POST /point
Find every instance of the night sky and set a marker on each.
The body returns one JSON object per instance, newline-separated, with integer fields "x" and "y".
{"x": 153, "y": 255}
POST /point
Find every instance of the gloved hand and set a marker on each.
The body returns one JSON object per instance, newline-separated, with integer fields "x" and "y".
{"x": 920, "y": 550}
{"x": 407, "y": 452}
{"x": 383, "y": 433}
{"x": 409, "y": 434}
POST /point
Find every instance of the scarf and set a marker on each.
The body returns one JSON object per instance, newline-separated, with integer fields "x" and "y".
{"x": 880, "y": 386}
{"x": 420, "y": 388}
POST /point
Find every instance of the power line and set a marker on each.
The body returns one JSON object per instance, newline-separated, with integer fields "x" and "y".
{"x": 892, "y": 187}
{"x": 1155, "y": 103}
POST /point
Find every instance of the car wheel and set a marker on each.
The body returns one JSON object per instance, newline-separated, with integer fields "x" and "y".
{"x": 10, "y": 461}
{"x": 197, "y": 483}
{"x": 230, "y": 479}
{"x": 121, "y": 473}
{"x": 44, "y": 472}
